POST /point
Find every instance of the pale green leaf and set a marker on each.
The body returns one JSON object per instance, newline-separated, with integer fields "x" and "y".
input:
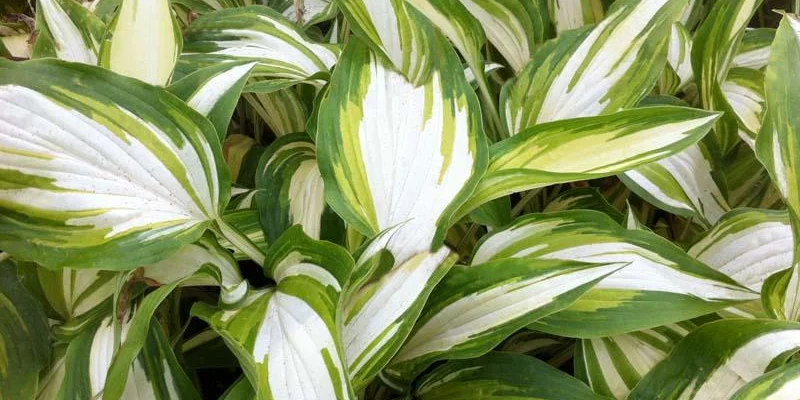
{"x": 143, "y": 42}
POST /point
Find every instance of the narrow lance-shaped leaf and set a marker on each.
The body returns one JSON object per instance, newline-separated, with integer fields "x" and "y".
{"x": 678, "y": 71}
{"x": 613, "y": 365}
{"x": 287, "y": 337}
{"x": 395, "y": 155}
{"x": 24, "y": 344}
{"x": 514, "y": 28}
{"x": 719, "y": 358}
{"x": 588, "y": 148}
{"x": 593, "y": 71}
{"x": 311, "y": 12}
{"x": 242, "y": 154}
{"x": 255, "y": 33}
{"x": 713, "y": 50}
{"x": 75, "y": 292}
{"x": 498, "y": 376}
{"x": 660, "y": 285}
{"x": 474, "y": 308}
{"x": 778, "y": 148}
{"x": 144, "y": 41}
{"x": 100, "y": 170}
{"x": 396, "y": 30}
{"x": 583, "y": 199}
{"x": 682, "y": 184}
{"x": 214, "y": 92}
{"x": 67, "y": 31}
{"x": 247, "y": 222}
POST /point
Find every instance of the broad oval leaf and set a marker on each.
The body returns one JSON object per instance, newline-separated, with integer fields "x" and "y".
{"x": 660, "y": 285}
{"x": 718, "y": 358}
{"x": 287, "y": 336}
{"x": 395, "y": 155}
{"x": 100, "y": 170}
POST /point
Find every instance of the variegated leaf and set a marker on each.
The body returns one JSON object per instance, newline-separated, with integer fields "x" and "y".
{"x": 514, "y": 28}
{"x": 719, "y": 358}
{"x": 744, "y": 91}
{"x": 583, "y": 199}
{"x": 713, "y": 50}
{"x": 381, "y": 315}
{"x": 573, "y": 14}
{"x": 67, "y": 31}
{"x": 395, "y": 155}
{"x": 749, "y": 183}
{"x": 80, "y": 371}
{"x": 778, "y": 149}
{"x": 678, "y": 72}
{"x": 24, "y": 341}
{"x": 246, "y": 222}
{"x": 214, "y": 91}
{"x": 660, "y": 284}
{"x": 748, "y": 245}
{"x": 587, "y": 148}
{"x": 74, "y": 292}
{"x": 291, "y": 191}
{"x": 780, "y": 383}
{"x": 613, "y": 365}
{"x": 282, "y": 110}
{"x": 259, "y": 34}
{"x": 476, "y": 307}
{"x": 754, "y": 50}
{"x": 595, "y": 71}
{"x": 96, "y": 165}
{"x": 682, "y": 184}
{"x": 396, "y": 30}
{"x": 498, "y": 376}
{"x": 287, "y": 336}
{"x": 143, "y": 41}
{"x": 242, "y": 154}
{"x": 307, "y": 12}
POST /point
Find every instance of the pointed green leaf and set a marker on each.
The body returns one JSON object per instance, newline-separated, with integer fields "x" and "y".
{"x": 514, "y": 28}
{"x": 713, "y": 50}
{"x": 754, "y": 50}
{"x": 660, "y": 284}
{"x": 100, "y": 170}
{"x": 583, "y": 199}
{"x": 24, "y": 339}
{"x": 719, "y": 358}
{"x": 497, "y": 376}
{"x": 587, "y": 148}
{"x": 246, "y": 222}
{"x": 214, "y": 91}
{"x": 474, "y": 308}
{"x": 593, "y": 71}
{"x": 67, "y": 31}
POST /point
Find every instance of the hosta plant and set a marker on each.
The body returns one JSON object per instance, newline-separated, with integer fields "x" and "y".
{"x": 399, "y": 199}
